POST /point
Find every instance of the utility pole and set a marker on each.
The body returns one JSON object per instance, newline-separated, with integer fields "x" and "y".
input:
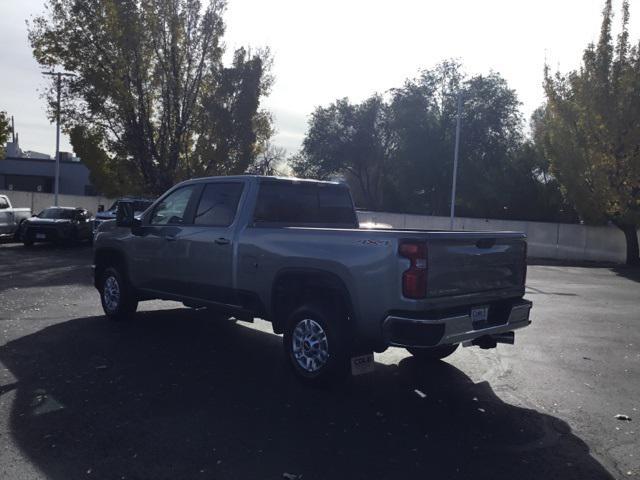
{"x": 59, "y": 76}
{"x": 455, "y": 163}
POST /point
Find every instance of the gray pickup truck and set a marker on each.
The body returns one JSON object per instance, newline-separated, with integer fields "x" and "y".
{"x": 290, "y": 251}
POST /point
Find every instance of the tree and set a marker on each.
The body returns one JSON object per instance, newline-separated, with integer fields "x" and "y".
{"x": 591, "y": 131}
{"x": 270, "y": 161}
{"x": 152, "y": 95}
{"x": 352, "y": 141}
{"x": 397, "y": 153}
{"x": 424, "y": 117}
{"x": 5, "y": 131}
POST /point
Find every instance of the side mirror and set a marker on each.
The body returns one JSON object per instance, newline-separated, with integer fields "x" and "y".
{"x": 125, "y": 214}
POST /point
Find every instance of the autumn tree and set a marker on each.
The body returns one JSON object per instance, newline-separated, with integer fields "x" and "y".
{"x": 591, "y": 131}
{"x": 152, "y": 100}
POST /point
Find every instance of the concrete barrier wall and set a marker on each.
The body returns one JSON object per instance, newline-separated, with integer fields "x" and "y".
{"x": 560, "y": 241}
{"x": 39, "y": 201}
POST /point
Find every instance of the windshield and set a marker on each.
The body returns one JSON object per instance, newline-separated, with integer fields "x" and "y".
{"x": 56, "y": 213}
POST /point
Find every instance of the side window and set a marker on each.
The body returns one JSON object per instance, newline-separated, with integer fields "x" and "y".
{"x": 218, "y": 204}
{"x": 3, "y": 203}
{"x": 172, "y": 209}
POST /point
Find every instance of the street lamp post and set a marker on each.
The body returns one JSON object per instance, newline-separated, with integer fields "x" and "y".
{"x": 59, "y": 76}
{"x": 455, "y": 163}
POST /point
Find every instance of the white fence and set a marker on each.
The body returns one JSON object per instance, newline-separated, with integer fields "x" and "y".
{"x": 39, "y": 201}
{"x": 561, "y": 241}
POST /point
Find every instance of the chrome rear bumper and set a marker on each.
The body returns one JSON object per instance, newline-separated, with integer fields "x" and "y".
{"x": 403, "y": 331}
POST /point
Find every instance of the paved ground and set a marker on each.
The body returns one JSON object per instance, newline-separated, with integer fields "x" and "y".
{"x": 175, "y": 395}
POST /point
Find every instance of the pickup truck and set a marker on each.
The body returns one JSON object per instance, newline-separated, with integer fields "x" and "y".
{"x": 11, "y": 218}
{"x": 291, "y": 252}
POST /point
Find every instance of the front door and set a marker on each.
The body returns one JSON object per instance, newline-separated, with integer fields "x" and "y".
{"x": 205, "y": 248}
{"x": 156, "y": 255}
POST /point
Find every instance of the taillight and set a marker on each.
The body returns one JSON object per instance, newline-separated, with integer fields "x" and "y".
{"x": 414, "y": 280}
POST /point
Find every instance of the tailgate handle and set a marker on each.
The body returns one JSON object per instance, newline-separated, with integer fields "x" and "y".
{"x": 486, "y": 242}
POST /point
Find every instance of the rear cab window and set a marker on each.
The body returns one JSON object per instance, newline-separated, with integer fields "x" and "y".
{"x": 290, "y": 203}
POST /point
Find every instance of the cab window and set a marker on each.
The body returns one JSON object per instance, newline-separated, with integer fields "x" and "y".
{"x": 172, "y": 210}
{"x": 218, "y": 204}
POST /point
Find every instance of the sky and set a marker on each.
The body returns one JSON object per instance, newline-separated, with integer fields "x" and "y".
{"x": 331, "y": 49}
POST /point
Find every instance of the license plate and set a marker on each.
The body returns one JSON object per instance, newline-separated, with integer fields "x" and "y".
{"x": 479, "y": 316}
{"x": 41, "y": 236}
{"x": 362, "y": 364}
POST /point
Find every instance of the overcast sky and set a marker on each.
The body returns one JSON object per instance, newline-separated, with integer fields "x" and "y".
{"x": 348, "y": 48}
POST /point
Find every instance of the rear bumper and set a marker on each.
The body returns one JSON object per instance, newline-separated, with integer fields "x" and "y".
{"x": 408, "y": 331}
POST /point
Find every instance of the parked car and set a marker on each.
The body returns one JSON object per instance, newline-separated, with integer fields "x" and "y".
{"x": 139, "y": 206}
{"x": 291, "y": 252}
{"x": 11, "y": 219}
{"x": 60, "y": 225}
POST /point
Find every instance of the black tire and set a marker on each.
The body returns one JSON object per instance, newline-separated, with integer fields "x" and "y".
{"x": 432, "y": 354}
{"x": 333, "y": 323}
{"x": 18, "y": 235}
{"x": 118, "y": 299}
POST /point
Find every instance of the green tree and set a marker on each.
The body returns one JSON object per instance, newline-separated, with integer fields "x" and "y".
{"x": 397, "y": 153}
{"x": 5, "y": 131}
{"x": 424, "y": 118}
{"x": 152, "y": 96}
{"x": 591, "y": 131}
{"x": 352, "y": 141}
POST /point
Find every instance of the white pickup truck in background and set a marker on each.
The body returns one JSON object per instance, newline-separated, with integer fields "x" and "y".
{"x": 11, "y": 218}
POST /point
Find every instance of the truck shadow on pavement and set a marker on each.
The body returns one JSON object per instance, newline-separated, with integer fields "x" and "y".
{"x": 175, "y": 395}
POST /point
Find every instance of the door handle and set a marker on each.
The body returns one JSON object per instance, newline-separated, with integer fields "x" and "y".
{"x": 222, "y": 241}
{"x": 170, "y": 238}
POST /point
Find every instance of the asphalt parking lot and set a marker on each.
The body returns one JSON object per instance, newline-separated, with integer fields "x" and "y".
{"x": 176, "y": 395}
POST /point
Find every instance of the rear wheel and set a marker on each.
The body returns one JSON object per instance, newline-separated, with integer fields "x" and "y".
{"x": 430, "y": 354}
{"x": 316, "y": 345}
{"x": 118, "y": 299}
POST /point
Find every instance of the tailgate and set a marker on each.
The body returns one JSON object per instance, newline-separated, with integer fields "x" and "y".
{"x": 462, "y": 263}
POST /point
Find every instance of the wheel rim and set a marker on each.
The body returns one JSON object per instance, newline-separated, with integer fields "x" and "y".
{"x": 310, "y": 345}
{"x": 111, "y": 294}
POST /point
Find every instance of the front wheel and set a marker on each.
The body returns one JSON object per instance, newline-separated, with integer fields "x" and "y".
{"x": 316, "y": 345}
{"x": 431, "y": 354}
{"x": 118, "y": 300}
